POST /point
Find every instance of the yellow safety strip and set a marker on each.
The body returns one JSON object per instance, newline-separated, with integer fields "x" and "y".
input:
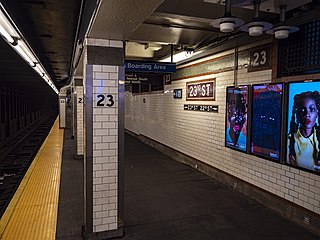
{"x": 32, "y": 212}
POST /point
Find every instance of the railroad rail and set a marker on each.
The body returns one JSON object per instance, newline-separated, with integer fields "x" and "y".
{"x": 16, "y": 155}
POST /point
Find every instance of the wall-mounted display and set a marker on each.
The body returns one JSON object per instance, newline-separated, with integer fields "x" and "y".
{"x": 236, "y": 117}
{"x": 266, "y": 120}
{"x": 303, "y": 130}
{"x": 201, "y": 90}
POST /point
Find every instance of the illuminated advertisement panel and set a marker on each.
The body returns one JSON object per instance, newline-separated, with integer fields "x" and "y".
{"x": 236, "y": 118}
{"x": 266, "y": 120}
{"x": 303, "y": 130}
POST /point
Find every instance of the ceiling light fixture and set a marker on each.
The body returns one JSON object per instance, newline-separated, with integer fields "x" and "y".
{"x": 181, "y": 55}
{"x": 256, "y": 27}
{"x": 227, "y": 23}
{"x": 10, "y": 32}
{"x": 6, "y": 29}
{"x": 282, "y": 31}
{"x": 39, "y": 70}
{"x": 6, "y": 35}
{"x": 188, "y": 52}
{"x": 152, "y": 46}
{"x": 24, "y": 55}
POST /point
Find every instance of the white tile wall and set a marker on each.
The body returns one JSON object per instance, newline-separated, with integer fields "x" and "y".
{"x": 201, "y": 135}
{"x": 79, "y": 90}
{"x": 105, "y": 150}
{"x": 104, "y": 43}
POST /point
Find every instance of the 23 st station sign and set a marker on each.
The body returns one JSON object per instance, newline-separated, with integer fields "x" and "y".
{"x": 201, "y": 90}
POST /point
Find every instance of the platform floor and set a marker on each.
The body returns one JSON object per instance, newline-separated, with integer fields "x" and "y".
{"x": 167, "y": 200}
{"x": 32, "y": 212}
{"x": 70, "y": 213}
{"x": 163, "y": 200}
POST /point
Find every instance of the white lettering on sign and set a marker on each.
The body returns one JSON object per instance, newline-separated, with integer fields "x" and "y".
{"x": 260, "y": 58}
{"x": 202, "y": 108}
{"x": 201, "y": 90}
{"x": 177, "y": 93}
{"x": 140, "y": 66}
{"x": 104, "y": 100}
{"x": 158, "y": 67}
{"x": 147, "y": 66}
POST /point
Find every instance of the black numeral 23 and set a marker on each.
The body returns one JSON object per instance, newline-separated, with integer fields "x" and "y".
{"x": 101, "y": 101}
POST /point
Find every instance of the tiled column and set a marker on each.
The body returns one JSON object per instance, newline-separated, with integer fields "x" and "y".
{"x": 62, "y": 108}
{"x": 78, "y": 112}
{"x": 104, "y": 146}
{"x": 73, "y": 107}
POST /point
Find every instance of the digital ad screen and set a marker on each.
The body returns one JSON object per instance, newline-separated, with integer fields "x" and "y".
{"x": 236, "y": 117}
{"x": 303, "y": 126}
{"x": 266, "y": 120}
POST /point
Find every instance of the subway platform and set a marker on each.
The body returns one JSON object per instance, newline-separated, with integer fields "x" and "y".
{"x": 163, "y": 200}
{"x": 167, "y": 200}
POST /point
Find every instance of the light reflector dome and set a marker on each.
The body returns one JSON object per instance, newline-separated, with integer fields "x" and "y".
{"x": 227, "y": 24}
{"x": 255, "y": 31}
{"x": 226, "y": 27}
{"x": 281, "y": 34}
{"x": 256, "y": 28}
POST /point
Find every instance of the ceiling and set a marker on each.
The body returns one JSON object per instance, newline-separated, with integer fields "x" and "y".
{"x": 54, "y": 28}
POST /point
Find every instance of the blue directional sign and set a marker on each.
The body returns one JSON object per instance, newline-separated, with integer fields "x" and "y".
{"x": 135, "y": 66}
{"x": 177, "y": 93}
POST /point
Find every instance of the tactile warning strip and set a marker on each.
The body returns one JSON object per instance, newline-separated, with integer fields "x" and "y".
{"x": 32, "y": 213}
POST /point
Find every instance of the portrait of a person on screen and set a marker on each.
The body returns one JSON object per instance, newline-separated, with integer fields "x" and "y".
{"x": 304, "y": 132}
{"x": 236, "y": 117}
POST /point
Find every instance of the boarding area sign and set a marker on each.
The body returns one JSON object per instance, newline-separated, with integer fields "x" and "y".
{"x": 155, "y": 67}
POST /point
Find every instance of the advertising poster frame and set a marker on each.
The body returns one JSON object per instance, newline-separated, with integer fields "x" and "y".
{"x": 266, "y": 123}
{"x": 300, "y": 117}
{"x": 237, "y": 114}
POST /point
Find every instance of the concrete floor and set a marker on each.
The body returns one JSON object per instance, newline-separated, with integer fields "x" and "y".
{"x": 70, "y": 211}
{"x": 167, "y": 200}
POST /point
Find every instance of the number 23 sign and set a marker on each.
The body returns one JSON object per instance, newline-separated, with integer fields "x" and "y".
{"x": 201, "y": 90}
{"x": 260, "y": 58}
{"x": 104, "y": 100}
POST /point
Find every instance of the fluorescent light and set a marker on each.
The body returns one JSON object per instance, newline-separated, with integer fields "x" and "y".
{"x": 41, "y": 70}
{"x": 38, "y": 69}
{"x": 6, "y": 35}
{"x": 6, "y": 28}
{"x": 10, "y": 32}
{"x": 23, "y": 55}
{"x": 180, "y": 56}
{"x": 27, "y": 50}
{"x": 46, "y": 78}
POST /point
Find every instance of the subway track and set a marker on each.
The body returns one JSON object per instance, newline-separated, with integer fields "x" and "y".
{"x": 16, "y": 155}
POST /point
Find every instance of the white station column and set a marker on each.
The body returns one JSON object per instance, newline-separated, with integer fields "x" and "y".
{"x": 104, "y": 138}
{"x": 78, "y": 117}
{"x": 72, "y": 88}
{"x": 62, "y": 108}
